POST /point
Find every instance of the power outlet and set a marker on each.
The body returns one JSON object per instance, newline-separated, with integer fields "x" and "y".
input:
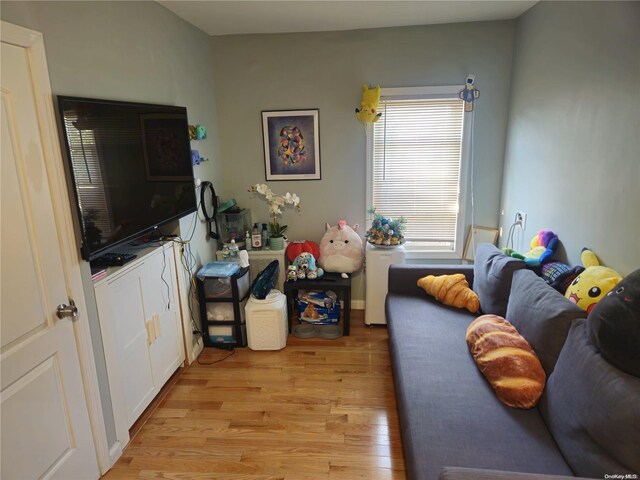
{"x": 521, "y": 219}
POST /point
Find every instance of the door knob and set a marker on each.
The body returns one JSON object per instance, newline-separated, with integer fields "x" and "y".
{"x": 67, "y": 311}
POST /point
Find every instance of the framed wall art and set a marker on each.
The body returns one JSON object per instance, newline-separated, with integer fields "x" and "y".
{"x": 291, "y": 144}
{"x": 478, "y": 235}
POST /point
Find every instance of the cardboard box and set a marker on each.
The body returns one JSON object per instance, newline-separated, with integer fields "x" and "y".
{"x": 317, "y": 307}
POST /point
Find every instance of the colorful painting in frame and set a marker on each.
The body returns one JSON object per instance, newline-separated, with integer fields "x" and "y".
{"x": 291, "y": 144}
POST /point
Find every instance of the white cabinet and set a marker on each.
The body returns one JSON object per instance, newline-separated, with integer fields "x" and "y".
{"x": 378, "y": 261}
{"x": 141, "y": 331}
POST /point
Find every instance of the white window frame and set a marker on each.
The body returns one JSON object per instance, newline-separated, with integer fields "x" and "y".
{"x": 450, "y": 91}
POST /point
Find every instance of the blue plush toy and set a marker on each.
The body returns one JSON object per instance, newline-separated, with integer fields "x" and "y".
{"x": 306, "y": 265}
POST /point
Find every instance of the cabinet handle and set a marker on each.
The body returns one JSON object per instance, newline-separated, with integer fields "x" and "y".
{"x": 151, "y": 333}
{"x": 156, "y": 326}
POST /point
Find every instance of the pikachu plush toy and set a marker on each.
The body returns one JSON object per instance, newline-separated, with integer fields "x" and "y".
{"x": 368, "y": 111}
{"x": 592, "y": 284}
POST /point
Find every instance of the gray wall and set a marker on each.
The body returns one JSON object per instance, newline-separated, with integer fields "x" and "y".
{"x": 326, "y": 71}
{"x": 136, "y": 51}
{"x": 573, "y": 149}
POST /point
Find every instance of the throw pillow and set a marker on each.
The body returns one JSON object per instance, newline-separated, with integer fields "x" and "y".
{"x": 614, "y": 325}
{"x": 452, "y": 290}
{"x": 506, "y": 360}
{"x": 592, "y": 410}
{"x": 542, "y": 316}
{"x": 492, "y": 272}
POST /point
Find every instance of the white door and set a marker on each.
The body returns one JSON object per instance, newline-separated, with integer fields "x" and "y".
{"x": 45, "y": 430}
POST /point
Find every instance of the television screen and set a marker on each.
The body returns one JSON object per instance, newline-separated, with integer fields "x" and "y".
{"x": 131, "y": 168}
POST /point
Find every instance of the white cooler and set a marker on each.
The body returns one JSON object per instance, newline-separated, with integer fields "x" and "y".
{"x": 267, "y": 327}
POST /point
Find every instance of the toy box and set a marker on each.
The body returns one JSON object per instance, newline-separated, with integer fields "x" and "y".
{"x": 317, "y": 307}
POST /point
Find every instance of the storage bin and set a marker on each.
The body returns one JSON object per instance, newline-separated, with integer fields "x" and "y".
{"x": 222, "y": 308}
{"x": 223, "y": 312}
{"x": 267, "y": 327}
{"x": 220, "y": 287}
{"x": 221, "y": 334}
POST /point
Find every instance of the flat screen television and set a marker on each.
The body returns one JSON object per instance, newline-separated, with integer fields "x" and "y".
{"x": 131, "y": 168}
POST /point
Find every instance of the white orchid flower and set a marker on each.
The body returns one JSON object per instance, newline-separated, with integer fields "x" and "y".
{"x": 276, "y": 202}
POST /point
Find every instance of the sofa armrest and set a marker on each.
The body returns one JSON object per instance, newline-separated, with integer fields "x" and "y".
{"x": 458, "y": 473}
{"x": 404, "y": 278}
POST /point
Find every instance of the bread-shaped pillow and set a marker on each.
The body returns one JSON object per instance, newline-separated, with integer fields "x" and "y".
{"x": 506, "y": 360}
{"x": 452, "y": 290}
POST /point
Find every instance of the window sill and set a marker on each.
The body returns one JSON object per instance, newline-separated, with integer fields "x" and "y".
{"x": 424, "y": 254}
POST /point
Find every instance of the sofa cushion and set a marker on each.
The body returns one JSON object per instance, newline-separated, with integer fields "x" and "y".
{"x": 506, "y": 360}
{"x": 614, "y": 325}
{"x": 492, "y": 272}
{"x": 449, "y": 415}
{"x": 592, "y": 409}
{"x": 457, "y": 473}
{"x": 541, "y": 315}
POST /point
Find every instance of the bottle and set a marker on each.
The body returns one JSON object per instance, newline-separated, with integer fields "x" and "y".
{"x": 265, "y": 236}
{"x": 256, "y": 238}
{"x": 225, "y": 251}
{"x": 233, "y": 249}
{"x": 247, "y": 240}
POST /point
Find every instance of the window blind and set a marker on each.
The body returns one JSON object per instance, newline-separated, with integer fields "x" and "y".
{"x": 417, "y": 146}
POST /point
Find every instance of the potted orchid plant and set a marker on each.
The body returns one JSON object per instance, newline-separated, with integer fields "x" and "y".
{"x": 276, "y": 204}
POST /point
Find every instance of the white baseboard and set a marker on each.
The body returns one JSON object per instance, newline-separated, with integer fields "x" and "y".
{"x": 197, "y": 349}
{"x": 115, "y": 452}
{"x": 357, "y": 304}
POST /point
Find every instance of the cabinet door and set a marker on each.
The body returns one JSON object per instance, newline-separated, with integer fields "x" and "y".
{"x": 122, "y": 300}
{"x": 161, "y": 308}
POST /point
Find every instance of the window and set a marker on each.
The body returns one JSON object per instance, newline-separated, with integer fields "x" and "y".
{"x": 415, "y": 162}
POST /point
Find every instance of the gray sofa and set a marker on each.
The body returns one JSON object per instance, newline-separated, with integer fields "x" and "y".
{"x": 453, "y": 426}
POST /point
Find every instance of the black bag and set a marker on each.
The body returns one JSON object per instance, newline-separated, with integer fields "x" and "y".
{"x": 265, "y": 281}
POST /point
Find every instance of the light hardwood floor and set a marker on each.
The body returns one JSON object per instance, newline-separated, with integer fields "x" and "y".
{"x": 319, "y": 409}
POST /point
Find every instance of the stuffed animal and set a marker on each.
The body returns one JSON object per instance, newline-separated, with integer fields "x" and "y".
{"x": 292, "y": 273}
{"x": 542, "y": 248}
{"x": 368, "y": 111}
{"x": 452, "y": 290}
{"x": 297, "y": 247}
{"x": 341, "y": 249}
{"x": 560, "y": 275}
{"x": 614, "y": 325}
{"x": 306, "y": 267}
{"x": 592, "y": 284}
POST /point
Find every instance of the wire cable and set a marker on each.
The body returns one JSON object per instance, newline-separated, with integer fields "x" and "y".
{"x": 215, "y": 361}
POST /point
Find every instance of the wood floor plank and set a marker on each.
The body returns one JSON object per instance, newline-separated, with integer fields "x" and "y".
{"x": 316, "y": 410}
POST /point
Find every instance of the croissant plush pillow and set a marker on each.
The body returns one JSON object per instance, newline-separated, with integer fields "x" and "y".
{"x": 452, "y": 290}
{"x": 506, "y": 360}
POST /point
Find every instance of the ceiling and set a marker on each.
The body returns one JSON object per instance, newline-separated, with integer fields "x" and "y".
{"x": 265, "y": 16}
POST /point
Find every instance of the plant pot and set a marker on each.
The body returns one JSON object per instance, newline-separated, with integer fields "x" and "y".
{"x": 276, "y": 243}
